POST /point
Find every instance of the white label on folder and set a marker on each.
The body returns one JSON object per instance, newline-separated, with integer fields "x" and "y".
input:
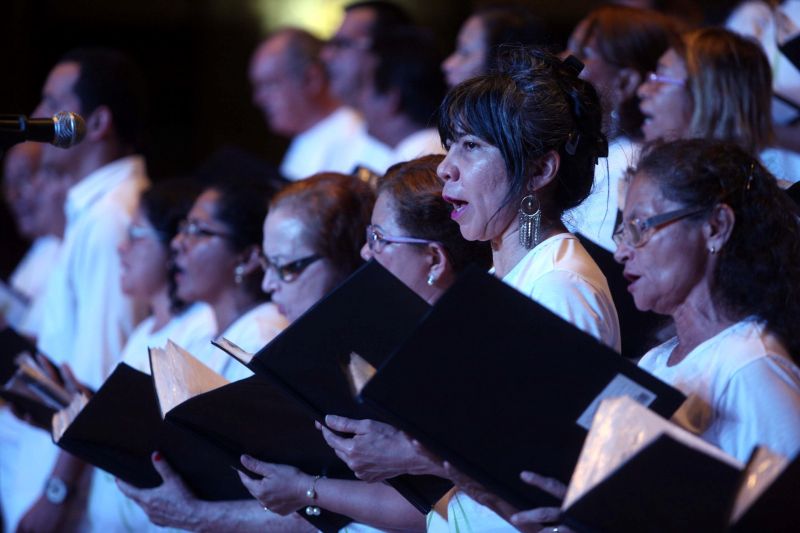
{"x": 619, "y": 386}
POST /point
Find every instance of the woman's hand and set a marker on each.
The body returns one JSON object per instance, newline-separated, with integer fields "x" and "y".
{"x": 170, "y": 504}
{"x": 530, "y": 521}
{"x": 376, "y": 451}
{"x": 282, "y": 489}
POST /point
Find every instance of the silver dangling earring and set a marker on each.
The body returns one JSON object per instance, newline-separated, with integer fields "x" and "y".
{"x": 431, "y": 279}
{"x": 530, "y": 221}
{"x": 238, "y": 274}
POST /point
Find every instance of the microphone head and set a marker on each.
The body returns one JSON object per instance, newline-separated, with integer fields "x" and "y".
{"x": 69, "y": 129}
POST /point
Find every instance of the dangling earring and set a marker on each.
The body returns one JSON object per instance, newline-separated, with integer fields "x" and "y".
{"x": 431, "y": 279}
{"x": 530, "y": 221}
{"x": 238, "y": 274}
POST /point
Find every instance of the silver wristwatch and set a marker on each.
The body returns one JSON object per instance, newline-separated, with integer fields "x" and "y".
{"x": 56, "y": 491}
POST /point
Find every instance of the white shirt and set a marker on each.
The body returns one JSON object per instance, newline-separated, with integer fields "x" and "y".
{"x": 33, "y": 270}
{"x": 757, "y": 20}
{"x": 28, "y": 281}
{"x": 108, "y": 509}
{"x": 336, "y": 143}
{"x": 194, "y": 323}
{"x": 560, "y": 275}
{"x": 251, "y": 332}
{"x": 419, "y": 143}
{"x": 595, "y": 217}
{"x": 783, "y": 164}
{"x": 87, "y": 318}
{"x": 746, "y": 389}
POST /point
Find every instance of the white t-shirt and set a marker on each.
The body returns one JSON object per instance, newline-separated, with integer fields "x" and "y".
{"x": 331, "y": 145}
{"x": 595, "y": 217}
{"x": 560, "y": 275}
{"x": 746, "y": 389}
{"x": 109, "y": 509}
{"x": 251, "y": 332}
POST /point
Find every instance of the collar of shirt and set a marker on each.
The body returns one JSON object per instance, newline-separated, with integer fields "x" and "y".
{"x": 100, "y": 182}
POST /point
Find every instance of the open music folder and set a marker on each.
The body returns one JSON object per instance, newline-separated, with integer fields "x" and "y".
{"x": 496, "y": 384}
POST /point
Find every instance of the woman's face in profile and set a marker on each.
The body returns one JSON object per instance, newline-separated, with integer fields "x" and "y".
{"x": 286, "y": 244}
{"x": 469, "y": 58}
{"x": 144, "y": 259}
{"x": 408, "y": 262}
{"x": 204, "y": 259}
{"x": 665, "y": 101}
{"x": 671, "y": 265}
{"x": 476, "y": 184}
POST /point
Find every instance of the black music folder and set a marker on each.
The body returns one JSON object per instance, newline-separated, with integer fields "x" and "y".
{"x": 639, "y": 472}
{"x": 25, "y": 383}
{"x": 250, "y": 416}
{"x": 369, "y": 314}
{"x": 120, "y": 427}
{"x": 497, "y": 384}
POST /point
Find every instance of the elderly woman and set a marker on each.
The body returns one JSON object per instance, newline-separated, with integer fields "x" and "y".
{"x": 715, "y": 85}
{"x": 709, "y": 239}
{"x": 619, "y": 47}
{"x": 413, "y": 237}
{"x": 311, "y": 241}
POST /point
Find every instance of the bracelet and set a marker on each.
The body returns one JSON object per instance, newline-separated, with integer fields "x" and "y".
{"x": 313, "y": 510}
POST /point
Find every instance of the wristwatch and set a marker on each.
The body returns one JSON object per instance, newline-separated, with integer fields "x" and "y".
{"x": 56, "y": 491}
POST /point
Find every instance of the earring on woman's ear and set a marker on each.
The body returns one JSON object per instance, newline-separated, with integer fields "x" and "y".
{"x": 530, "y": 221}
{"x": 431, "y": 279}
{"x": 238, "y": 274}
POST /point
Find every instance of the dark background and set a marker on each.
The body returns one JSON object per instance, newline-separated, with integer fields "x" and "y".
{"x": 195, "y": 54}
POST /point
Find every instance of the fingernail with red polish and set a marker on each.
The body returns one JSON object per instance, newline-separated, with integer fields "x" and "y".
{"x": 157, "y": 456}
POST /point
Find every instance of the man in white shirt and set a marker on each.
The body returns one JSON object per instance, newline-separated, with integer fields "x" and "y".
{"x": 353, "y": 57}
{"x": 86, "y": 318}
{"x": 291, "y": 87}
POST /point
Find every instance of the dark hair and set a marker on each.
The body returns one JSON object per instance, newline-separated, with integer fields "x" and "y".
{"x": 388, "y": 15}
{"x": 758, "y": 271}
{"x": 532, "y": 104}
{"x": 165, "y": 204}
{"x": 627, "y": 37}
{"x": 730, "y": 84}
{"x": 335, "y": 210}
{"x": 110, "y": 78}
{"x": 509, "y": 25}
{"x": 409, "y": 63}
{"x": 242, "y": 207}
{"x": 416, "y": 193}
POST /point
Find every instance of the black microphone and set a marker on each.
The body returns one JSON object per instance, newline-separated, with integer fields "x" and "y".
{"x": 64, "y": 129}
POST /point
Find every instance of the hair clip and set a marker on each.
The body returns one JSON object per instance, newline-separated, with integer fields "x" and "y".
{"x": 571, "y": 146}
{"x": 750, "y": 177}
{"x": 573, "y": 65}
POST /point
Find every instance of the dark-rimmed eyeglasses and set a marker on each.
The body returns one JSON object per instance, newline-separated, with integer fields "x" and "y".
{"x": 636, "y": 232}
{"x": 377, "y": 240}
{"x": 290, "y": 271}
{"x": 668, "y": 80}
{"x": 190, "y": 228}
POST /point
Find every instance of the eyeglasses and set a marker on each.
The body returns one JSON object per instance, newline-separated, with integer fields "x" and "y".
{"x": 136, "y": 233}
{"x": 377, "y": 241}
{"x": 635, "y": 233}
{"x": 290, "y": 271}
{"x": 193, "y": 229}
{"x": 658, "y": 78}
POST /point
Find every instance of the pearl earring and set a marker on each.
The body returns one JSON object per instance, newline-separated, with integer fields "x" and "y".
{"x": 431, "y": 279}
